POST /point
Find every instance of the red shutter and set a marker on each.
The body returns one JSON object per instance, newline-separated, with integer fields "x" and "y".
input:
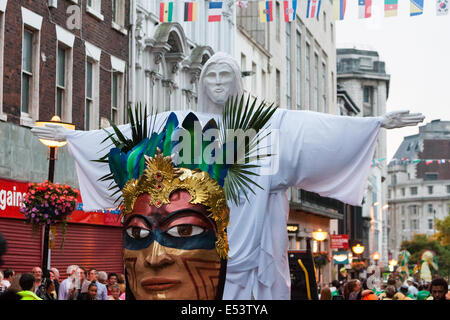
{"x": 23, "y": 246}
{"x": 88, "y": 246}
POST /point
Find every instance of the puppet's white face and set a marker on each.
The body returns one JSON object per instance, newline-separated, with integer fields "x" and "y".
{"x": 219, "y": 82}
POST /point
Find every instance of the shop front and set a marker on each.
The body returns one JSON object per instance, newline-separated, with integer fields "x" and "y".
{"x": 90, "y": 240}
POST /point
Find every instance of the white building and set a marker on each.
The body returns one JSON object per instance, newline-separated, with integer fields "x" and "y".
{"x": 293, "y": 64}
{"x": 166, "y": 58}
{"x": 362, "y": 75}
{"x": 419, "y": 192}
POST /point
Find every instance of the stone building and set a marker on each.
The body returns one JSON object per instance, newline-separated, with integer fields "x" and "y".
{"x": 362, "y": 75}
{"x": 293, "y": 64}
{"x": 419, "y": 184}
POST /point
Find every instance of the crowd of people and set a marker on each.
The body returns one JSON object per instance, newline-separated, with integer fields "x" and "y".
{"x": 80, "y": 284}
{"x": 392, "y": 289}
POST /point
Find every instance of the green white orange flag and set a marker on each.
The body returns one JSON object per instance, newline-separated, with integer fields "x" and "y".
{"x": 390, "y": 8}
{"x": 166, "y": 11}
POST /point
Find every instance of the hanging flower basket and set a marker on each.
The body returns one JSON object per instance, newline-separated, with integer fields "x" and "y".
{"x": 48, "y": 203}
{"x": 320, "y": 259}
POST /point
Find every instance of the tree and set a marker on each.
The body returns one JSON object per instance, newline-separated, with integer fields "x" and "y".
{"x": 421, "y": 242}
{"x": 443, "y": 226}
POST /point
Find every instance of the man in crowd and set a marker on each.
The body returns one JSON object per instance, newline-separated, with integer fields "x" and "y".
{"x": 412, "y": 290}
{"x": 27, "y": 282}
{"x": 112, "y": 280}
{"x": 8, "y": 276}
{"x": 68, "y": 284}
{"x": 101, "y": 288}
{"x": 439, "y": 289}
{"x": 37, "y": 273}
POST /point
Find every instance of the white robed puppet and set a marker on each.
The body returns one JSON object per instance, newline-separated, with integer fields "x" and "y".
{"x": 326, "y": 154}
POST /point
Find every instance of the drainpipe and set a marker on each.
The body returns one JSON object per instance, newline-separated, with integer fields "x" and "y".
{"x": 132, "y": 57}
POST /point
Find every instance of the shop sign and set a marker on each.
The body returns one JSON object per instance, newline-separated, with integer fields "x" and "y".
{"x": 338, "y": 241}
{"x": 292, "y": 228}
{"x": 340, "y": 257}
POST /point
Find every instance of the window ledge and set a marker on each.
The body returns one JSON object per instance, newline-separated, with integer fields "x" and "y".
{"x": 26, "y": 121}
{"x": 95, "y": 13}
{"x": 119, "y": 28}
{"x": 3, "y": 117}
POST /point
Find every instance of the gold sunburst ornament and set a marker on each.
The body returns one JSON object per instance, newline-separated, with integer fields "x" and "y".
{"x": 161, "y": 178}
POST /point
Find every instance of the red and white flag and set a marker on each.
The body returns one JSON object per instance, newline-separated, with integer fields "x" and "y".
{"x": 365, "y": 8}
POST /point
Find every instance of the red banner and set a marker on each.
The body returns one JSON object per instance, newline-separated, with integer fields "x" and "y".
{"x": 338, "y": 241}
{"x": 12, "y": 193}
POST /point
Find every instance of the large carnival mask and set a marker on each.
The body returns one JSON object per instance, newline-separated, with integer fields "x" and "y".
{"x": 175, "y": 212}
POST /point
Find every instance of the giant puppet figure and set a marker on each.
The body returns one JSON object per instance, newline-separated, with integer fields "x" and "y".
{"x": 322, "y": 153}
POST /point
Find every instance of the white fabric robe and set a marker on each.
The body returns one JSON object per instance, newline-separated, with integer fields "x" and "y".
{"x": 321, "y": 153}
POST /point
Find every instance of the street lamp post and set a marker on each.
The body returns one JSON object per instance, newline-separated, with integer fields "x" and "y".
{"x": 358, "y": 250}
{"x": 319, "y": 236}
{"x": 52, "y": 157}
{"x": 376, "y": 256}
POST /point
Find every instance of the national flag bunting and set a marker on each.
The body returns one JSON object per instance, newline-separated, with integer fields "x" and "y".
{"x": 166, "y": 11}
{"x": 441, "y": 7}
{"x": 290, "y": 9}
{"x": 390, "y": 8}
{"x": 265, "y": 11}
{"x": 442, "y": 161}
{"x": 339, "y": 9}
{"x": 365, "y": 8}
{"x": 215, "y": 11}
{"x": 416, "y": 7}
{"x": 242, "y": 4}
{"x": 429, "y": 162}
{"x": 313, "y": 9}
{"x": 190, "y": 11}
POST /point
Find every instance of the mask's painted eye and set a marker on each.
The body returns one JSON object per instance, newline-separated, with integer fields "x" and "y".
{"x": 185, "y": 230}
{"x": 138, "y": 233}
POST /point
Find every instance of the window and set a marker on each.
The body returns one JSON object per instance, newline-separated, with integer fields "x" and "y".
{"x": 430, "y": 189}
{"x": 118, "y": 12}
{"x": 299, "y": 70}
{"x": 89, "y": 96}
{"x": 413, "y": 209}
{"x": 365, "y": 63}
{"x": 264, "y": 85}
{"x": 403, "y": 192}
{"x": 413, "y": 191}
{"x": 431, "y": 176}
{"x": 367, "y": 94}
{"x": 254, "y": 78}
{"x": 115, "y": 98}
{"x": 27, "y": 70}
{"x": 448, "y": 189}
{"x": 324, "y": 88}
{"x": 288, "y": 66}
{"x": 94, "y": 7}
{"x": 60, "y": 81}
{"x": 29, "y": 104}
{"x": 299, "y": 195}
{"x": 308, "y": 77}
{"x": 430, "y": 208}
{"x": 414, "y": 224}
{"x": 332, "y": 32}
{"x": 278, "y": 20}
{"x": 389, "y": 193}
{"x": 394, "y": 179}
{"x": 324, "y": 21}
{"x": 316, "y": 82}
{"x": 368, "y": 101}
{"x": 430, "y": 224}
{"x": 403, "y": 210}
{"x": 278, "y": 87}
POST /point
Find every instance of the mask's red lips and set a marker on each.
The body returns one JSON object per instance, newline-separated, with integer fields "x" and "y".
{"x": 158, "y": 284}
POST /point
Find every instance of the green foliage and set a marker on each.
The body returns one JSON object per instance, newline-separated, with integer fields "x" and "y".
{"x": 443, "y": 227}
{"x": 420, "y": 243}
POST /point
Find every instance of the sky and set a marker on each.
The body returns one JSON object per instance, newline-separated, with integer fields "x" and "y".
{"x": 417, "y": 55}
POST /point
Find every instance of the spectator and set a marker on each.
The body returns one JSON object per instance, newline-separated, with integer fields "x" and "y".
{"x": 91, "y": 294}
{"x": 438, "y": 289}
{"x": 424, "y": 292}
{"x": 102, "y": 292}
{"x": 37, "y": 273}
{"x": 390, "y": 293}
{"x": 56, "y": 273}
{"x": 67, "y": 286}
{"x": 121, "y": 282}
{"x": 8, "y": 276}
{"x": 112, "y": 280}
{"x": 115, "y": 292}
{"x": 27, "y": 283}
{"x": 404, "y": 290}
{"x": 335, "y": 288}
{"x": 367, "y": 293}
{"x": 412, "y": 290}
{"x": 102, "y": 277}
{"x": 325, "y": 293}
{"x": 48, "y": 292}
{"x": 353, "y": 290}
{"x": 2, "y": 286}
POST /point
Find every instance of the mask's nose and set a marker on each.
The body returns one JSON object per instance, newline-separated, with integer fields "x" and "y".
{"x": 158, "y": 256}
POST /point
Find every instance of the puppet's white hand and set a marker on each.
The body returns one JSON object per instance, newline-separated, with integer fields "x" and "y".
{"x": 399, "y": 119}
{"x": 50, "y": 132}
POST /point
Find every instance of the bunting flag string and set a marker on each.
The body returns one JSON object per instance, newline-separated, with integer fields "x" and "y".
{"x": 313, "y": 7}
{"x": 410, "y": 160}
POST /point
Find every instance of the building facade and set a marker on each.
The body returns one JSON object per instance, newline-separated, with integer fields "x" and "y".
{"x": 293, "y": 64}
{"x": 419, "y": 191}
{"x": 66, "y": 58}
{"x": 362, "y": 75}
{"x": 166, "y": 59}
